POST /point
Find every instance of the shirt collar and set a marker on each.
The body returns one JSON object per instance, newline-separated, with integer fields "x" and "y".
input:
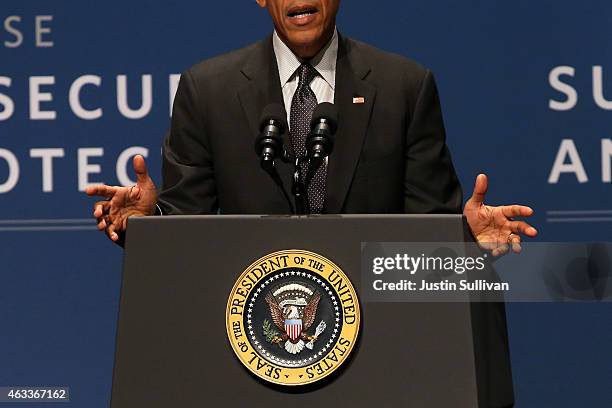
{"x": 324, "y": 62}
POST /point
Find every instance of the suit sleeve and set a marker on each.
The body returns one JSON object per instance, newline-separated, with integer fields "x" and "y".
{"x": 188, "y": 185}
{"x": 430, "y": 183}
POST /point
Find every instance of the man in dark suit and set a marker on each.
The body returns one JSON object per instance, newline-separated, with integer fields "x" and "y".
{"x": 389, "y": 157}
{"x": 390, "y": 154}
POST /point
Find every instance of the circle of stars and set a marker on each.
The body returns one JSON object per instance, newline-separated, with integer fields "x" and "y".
{"x": 314, "y": 357}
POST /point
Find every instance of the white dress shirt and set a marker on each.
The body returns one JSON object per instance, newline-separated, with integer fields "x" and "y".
{"x": 323, "y": 85}
{"x": 324, "y": 62}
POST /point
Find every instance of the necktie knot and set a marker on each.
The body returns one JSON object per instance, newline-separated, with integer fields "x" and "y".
{"x": 306, "y": 73}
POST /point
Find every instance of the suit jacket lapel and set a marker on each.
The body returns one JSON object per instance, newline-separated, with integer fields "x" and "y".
{"x": 262, "y": 88}
{"x": 353, "y": 121}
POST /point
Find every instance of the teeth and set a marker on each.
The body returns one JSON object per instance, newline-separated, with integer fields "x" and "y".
{"x": 302, "y": 14}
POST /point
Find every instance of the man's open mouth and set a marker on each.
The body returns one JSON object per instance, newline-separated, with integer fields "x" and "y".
{"x": 301, "y": 11}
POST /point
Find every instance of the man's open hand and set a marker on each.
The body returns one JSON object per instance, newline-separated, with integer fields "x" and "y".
{"x": 124, "y": 202}
{"x": 494, "y": 227}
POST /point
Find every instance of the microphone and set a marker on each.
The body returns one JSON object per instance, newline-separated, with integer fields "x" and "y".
{"x": 320, "y": 140}
{"x": 269, "y": 143}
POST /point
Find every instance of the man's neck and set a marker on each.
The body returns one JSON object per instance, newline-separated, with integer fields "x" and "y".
{"x": 309, "y": 51}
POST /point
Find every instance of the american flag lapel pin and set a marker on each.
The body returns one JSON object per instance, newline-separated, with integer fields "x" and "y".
{"x": 358, "y": 100}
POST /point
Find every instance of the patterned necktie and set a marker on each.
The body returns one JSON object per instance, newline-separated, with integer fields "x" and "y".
{"x": 302, "y": 107}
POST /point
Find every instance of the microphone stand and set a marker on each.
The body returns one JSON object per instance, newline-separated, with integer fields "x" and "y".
{"x": 313, "y": 165}
{"x": 269, "y": 147}
{"x": 299, "y": 189}
{"x": 270, "y": 168}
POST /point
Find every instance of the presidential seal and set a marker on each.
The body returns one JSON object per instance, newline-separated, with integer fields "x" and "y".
{"x": 293, "y": 317}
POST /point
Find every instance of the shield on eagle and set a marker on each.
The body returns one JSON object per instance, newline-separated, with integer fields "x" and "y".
{"x": 293, "y": 328}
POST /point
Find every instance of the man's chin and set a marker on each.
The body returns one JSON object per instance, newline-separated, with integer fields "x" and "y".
{"x": 305, "y": 39}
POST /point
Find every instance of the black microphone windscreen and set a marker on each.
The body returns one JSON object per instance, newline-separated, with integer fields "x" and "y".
{"x": 326, "y": 111}
{"x": 275, "y": 112}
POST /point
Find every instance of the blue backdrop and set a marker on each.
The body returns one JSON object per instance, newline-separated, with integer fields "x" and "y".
{"x": 526, "y": 89}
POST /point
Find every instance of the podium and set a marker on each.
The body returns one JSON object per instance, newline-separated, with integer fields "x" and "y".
{"x": 173, "y": 350}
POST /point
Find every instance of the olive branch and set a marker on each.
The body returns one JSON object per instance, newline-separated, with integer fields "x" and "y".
{"x": 272, "y": 336}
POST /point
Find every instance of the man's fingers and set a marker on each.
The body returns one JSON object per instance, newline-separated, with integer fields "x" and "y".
{"x": 500, "y": 250}
{"x": 510, "y": 211}
{"x": 140, "y": 168}
{"x": 521, "y": 227}
{"x": 101, "y": 208}
{"x": 101, "y": 224}
{"x": 515, "y": 243}
{"x": 98, "y": 211}
{"x": 480, "y": 189}
{"x": 101, "y": 190}
{"x": 487, "y": 246}
{"x": 110, "y": 231}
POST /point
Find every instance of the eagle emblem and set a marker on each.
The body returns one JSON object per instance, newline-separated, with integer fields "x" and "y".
{"x": 295, "y": 313}
{"x": 293, "y": 308}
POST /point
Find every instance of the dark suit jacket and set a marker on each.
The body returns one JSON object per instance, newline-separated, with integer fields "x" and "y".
{"x": 390, "y": 156}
